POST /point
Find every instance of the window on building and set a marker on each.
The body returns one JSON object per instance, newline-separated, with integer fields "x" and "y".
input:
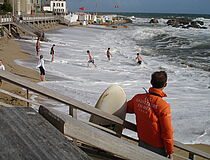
{"x": 53, "y": 4}
{"x": 61, "y": 4}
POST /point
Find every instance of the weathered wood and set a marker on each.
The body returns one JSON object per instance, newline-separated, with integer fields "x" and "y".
{"x": 70, "y": 102}
{"x": 191, "y": 156}
{"x": 192, "y": 150}
{"x": 6, "y": 105}
{"x": 97, "y": 138}
{"x": 19, "y": 97}
{"x": 100, "y": 127}
{"x": 73, "y": 112}
{"x": 179, "y": 157}
{"x": 27, "y": 135}
{"x": 7, "y": 76}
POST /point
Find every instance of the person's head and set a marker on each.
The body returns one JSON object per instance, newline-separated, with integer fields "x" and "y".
{"x": 159, "y": 79}
{"x": 53, "y": 45}
{"x": 88, "y": 52}
{"x": 41, "y": 56}
{"x": 108, "y": 48}
{"x": 137, "y": 54}
{"x": 1, "y": 62}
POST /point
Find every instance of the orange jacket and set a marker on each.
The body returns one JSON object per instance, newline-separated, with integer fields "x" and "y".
{"x": 153, "y": 119}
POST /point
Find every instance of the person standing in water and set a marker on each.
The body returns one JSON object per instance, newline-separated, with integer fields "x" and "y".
{"x": 139, "y": 59}
{"x": 90, "y": 58}
{"x": 37, "y": 46}
{"x": 1, "y": 68}
{"x": 52, "y": 52}
{"x": 108, "y": 54}
{"x": 42, "y": 68}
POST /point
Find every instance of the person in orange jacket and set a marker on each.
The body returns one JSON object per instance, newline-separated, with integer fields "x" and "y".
{"x": 153, "y": 117}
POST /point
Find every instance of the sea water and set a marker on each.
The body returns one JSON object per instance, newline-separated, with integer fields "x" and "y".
{"x": 183, "y": 53}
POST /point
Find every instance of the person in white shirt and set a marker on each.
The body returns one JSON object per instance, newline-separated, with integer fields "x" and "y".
{"x": 42, "y": 68}
{"x": 1, "y": 68}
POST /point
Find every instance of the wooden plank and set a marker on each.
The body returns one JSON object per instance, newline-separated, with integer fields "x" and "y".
{"x": 71, "y": 102}
{"x": 6, "y": 105}
{"x": 25, "y": 134}
{"x": 12, "y": 78}
{"x": 100, "y": 127}
{"x": 19, "y": 97}
{"x": 97, "y": 138}
{"x": 191, "y": 149}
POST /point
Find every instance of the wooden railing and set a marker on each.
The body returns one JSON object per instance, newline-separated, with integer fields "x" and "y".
{"x": 5, "y": 18}
{"x": 40, "y": 17}
{"x": 74, "y": 104}
{"x": 27, "y": 18}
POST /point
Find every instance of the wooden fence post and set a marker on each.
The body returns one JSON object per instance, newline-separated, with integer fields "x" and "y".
{"x": 73, "y": 112}
{"x": 27, "y": 96}
{"x": 191, "y": 155}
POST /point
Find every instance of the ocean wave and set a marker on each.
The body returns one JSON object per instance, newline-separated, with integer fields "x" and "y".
{"x": 202, "y": 46}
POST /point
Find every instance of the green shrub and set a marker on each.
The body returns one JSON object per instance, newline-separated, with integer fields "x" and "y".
{"x": 6, "y": 7}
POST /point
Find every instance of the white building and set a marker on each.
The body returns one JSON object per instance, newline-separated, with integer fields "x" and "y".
{"x": 72, "y": 17}
{"x": 58, "y": 6}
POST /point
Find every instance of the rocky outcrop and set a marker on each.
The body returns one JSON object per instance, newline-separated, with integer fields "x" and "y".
{"x": 153, "y": 21}
{"x": 177, "y": 22}
{"x": 185, "y": 23}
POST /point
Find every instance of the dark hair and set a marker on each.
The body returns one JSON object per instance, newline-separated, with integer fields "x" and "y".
{"x": 159, "y": 79}
{"x": 41, "y": 56}
{"x": 88, "y": 51}
{"x": 137, "y": 54}
{"x": 108, "y": 48}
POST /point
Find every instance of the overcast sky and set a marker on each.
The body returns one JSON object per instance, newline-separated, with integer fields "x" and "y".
{"x": 143, "y": 6}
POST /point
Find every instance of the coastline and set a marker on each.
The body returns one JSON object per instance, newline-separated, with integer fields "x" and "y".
{"x": 10, "y": 51}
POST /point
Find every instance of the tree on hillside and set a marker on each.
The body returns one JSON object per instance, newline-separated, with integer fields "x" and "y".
{"x": 6, "y": 7}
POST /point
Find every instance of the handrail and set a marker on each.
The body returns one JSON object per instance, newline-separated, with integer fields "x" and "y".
{"x": 12, "y": 78}
{"x": 17, "y": 80}
{"x": 27, "y": 18}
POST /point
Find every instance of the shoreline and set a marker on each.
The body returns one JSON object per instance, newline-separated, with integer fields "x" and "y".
{"x": 11, "y": 51}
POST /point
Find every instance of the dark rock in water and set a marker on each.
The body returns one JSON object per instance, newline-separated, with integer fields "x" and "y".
{"x": 185, "y": 23}
{"x": 154, "y": 21}
{"x": 203, "y": 27}
{"x": 200, "y": 22}
{"x": 179, "y": 21}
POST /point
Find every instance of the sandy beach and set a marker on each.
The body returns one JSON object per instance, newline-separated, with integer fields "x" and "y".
{"x": 10, "y": 51}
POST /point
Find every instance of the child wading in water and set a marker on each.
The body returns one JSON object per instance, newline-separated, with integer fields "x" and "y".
{"x": 52, "y": 52}
{"x": 37, "y": 46}
{"x": 108, "y": 54}
{"x": 139, "y": 59}
{"x": 90, "y": 58}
